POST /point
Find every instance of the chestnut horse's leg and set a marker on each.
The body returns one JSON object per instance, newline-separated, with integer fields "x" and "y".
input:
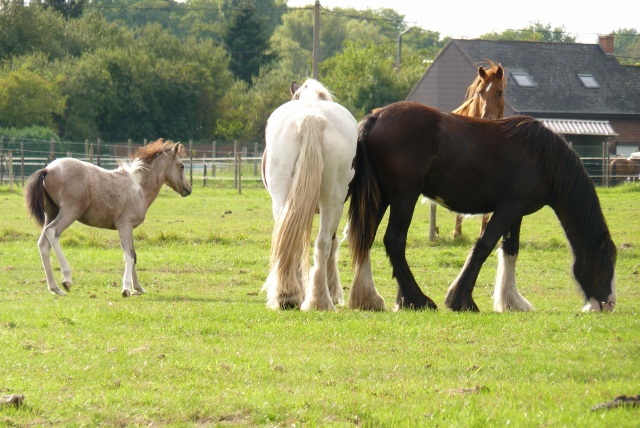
{"x": 459, "y": 296}
{"x": 126, "y": 242}
{"x": 457, "y": 231}
{"x": 506, "y": 296}
{"x": 395, "y": 242}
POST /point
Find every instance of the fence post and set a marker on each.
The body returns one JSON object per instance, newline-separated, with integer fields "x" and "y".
{"x": 433, "y": 234}
{"x": 52, "y": 150}
{"x": 255, "y": 162}
{"x": 235, "y": 164}
{"x": 191, "y": 162}
{"x": 239, "y": 162}
{"x": 22, "y": 163}
{"x": 98, "y": 143}
{"x": 204, "y": 171}
{"x": 10, "y": 155}
{"x": 86, "y": 149}
{"x": 144, "y": 142}
{"x": 214, "y": 148}
{"x": 129, "y": 150}
{"x": 1, "y": 160}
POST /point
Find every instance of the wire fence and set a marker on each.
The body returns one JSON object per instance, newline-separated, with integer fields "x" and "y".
{"x": 216, "y": 165}
{"x": 229, "y": 165}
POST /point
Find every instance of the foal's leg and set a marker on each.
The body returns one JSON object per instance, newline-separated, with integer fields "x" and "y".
{"x": 126, "y": 242}
{"x": 506, "y": 296}
{"x": 395, "y": 242}
{"x": 459, "y": 296}
{"x": 51, "y": 238}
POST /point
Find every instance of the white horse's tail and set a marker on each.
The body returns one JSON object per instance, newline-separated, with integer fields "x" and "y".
{"x": 292, "y": 231}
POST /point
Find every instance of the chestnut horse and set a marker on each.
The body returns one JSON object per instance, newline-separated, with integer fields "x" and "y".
{"x": 307, "y": 166}
{"x": 512, "y": 167}
{"x": 69, "y": 189}
{"x": 485, "y": 99}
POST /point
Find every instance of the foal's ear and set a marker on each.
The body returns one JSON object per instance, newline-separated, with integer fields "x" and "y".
{"x": 294, "y": 88}
{"x": 176, "y": 149}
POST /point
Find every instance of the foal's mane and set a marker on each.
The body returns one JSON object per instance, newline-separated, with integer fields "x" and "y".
{"x": 575, "y": 200}
{"x": 143, "y": 156}
{"x": 473, "y": 88}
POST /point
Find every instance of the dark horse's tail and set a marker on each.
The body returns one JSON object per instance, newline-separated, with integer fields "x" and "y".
{"x": 365, "y": 198}
{"x": 35, "y": 195}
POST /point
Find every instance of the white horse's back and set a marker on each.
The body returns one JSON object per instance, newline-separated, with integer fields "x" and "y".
{"x": 314, "y": 140}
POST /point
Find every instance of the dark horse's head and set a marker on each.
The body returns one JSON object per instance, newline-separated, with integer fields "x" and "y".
{"x": 575, "y": 202}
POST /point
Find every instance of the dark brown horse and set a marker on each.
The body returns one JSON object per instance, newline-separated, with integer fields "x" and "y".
{"x": 511, "y": 167}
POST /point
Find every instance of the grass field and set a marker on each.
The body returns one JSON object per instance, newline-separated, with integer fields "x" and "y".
{"x": 201, "y": 349}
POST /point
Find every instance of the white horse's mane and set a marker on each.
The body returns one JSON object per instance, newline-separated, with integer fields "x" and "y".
{"x": 312, "y": 90}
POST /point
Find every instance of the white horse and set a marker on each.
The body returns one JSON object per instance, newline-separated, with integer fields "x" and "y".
{"x": 68, "y": 190}
{"x": 307, "y": 167}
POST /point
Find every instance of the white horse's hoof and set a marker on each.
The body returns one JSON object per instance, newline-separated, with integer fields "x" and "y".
{"x": 126, "y": 293}
{"x": 67, "y": 285}
{"x": 57, "y": 291}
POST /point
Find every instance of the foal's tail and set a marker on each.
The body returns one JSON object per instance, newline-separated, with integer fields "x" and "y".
{"x": 365, "y": 199}
{"x": 35, "y": 195}
{"x": 292, "y": 231}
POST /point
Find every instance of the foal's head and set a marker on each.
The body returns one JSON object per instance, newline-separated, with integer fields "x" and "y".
{"x": 487, "y": 92}
{"x": 166, "y": 155}
{"x": 311, "y": 90}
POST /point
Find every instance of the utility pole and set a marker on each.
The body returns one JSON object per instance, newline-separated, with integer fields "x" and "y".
{"x": 400, "y": 48}
{"x": 316, "y": 38}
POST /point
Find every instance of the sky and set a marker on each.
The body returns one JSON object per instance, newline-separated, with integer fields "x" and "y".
{"x": 456, "y": 19}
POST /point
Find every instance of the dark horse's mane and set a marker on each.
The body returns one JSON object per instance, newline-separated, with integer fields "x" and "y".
{"x": 575, "y": 200}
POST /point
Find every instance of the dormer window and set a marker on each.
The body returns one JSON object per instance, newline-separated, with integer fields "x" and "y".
{"x": 588, "y": 81}
{"x": 522, "y": 79}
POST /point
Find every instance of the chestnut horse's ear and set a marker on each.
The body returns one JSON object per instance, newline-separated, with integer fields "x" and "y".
{"x": 294, "y": 88}
{"x": 482, "y": 73}
{"x": 499, "y": 72}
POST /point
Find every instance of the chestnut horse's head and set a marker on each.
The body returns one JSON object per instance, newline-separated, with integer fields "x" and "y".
{"x": 485, "y": 96}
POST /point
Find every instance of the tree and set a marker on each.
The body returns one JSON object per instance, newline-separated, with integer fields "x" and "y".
{"x": 29, "y": 99}
{"x": 535, "y": 32}
{"x": 70, "y": 9}
{"x": 247, "y": 40}
{"x": 627, "y": 46}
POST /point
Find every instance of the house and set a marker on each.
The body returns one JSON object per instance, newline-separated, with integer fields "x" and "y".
{"x": 579, "y": 90}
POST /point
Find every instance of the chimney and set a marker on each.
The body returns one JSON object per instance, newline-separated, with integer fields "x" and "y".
{"x": 606, "y": 43}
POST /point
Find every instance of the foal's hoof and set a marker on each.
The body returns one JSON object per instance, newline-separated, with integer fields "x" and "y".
{"x": 126, "y": 293}
{"x": 57, "y": 291}
{"x": 66, "y": 285}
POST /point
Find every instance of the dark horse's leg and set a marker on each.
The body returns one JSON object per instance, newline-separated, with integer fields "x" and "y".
{"x": 459, "y": 296}
{"x": 395, "y": 242}
{"x": 505, "y": 295}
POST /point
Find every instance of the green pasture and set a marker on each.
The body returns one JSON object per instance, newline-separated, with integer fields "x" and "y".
{"x": 201, "y": 349}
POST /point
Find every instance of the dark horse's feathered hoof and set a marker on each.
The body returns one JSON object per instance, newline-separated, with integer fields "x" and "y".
{"x": 417, "y": 303}
{"x": 461, "y": 302}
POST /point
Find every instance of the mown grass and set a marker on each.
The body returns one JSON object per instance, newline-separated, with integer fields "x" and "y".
{"x": 201, "y": 349}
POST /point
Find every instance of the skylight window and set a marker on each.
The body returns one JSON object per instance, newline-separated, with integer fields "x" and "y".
{"x": 588, "y": 81}
{"x": 522, "y": 79}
